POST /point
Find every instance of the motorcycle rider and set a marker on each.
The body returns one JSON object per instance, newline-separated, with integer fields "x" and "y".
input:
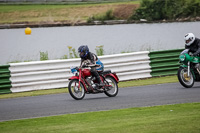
{"x": 88, "y": 58}
{"x": 192, "y": 43}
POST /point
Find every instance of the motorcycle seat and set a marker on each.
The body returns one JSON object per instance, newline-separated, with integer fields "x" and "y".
{"x": 105, "y": 72}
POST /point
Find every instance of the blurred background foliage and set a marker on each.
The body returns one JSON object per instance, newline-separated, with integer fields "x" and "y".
{"x": 166, "y": 9}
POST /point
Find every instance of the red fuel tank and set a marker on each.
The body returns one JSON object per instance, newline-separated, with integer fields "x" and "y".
{"x": 86, "y": 72}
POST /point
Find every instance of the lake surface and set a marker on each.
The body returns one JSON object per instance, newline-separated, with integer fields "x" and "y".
{"x": 16, "y": 46}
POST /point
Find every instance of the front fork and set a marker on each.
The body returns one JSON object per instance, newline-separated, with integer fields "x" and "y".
{"x": 79, "y": 79}
{"x": 188, "y": 69}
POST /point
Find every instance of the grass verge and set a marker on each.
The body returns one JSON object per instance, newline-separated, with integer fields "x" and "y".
{"x": 54, "y": 13}
{"x": 179, "y": 118}
{"x": 138, "y": 82}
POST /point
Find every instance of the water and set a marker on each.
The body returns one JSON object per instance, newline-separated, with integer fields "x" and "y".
{"x": 16, "y": 46}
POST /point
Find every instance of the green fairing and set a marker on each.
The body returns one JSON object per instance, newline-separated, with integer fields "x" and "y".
{"x": 189, "y": 58}
{"x": 196, "y": 60}
{"x": 192, "y": 59}
{"x": 183, "y": 65}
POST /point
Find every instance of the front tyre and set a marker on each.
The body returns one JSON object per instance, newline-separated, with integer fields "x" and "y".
{"x": 183, "y": 78}
{"x": 74, "y": 91}
{"x": 112, "y": 88}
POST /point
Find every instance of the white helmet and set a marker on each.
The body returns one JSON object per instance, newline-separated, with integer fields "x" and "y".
{"x": 189, "y": 39}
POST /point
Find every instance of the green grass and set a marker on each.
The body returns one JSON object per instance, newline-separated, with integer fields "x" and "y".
{"x": 39, "y": 13}
{"x": 13, "y": 8}
{"x": 138, "y": 82}
{"x": 180, "y": 118}
{"x": 33, "y": 93}
{"x": 149, "y": 81}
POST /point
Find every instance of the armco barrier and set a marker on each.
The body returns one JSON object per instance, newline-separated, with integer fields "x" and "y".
{"x": 39, "y": 75}
{"x": 164, "y": 62}
{"x": 128, "y": 66}
{"x": 52, "y": 74}
{"x": 5, "y": 83}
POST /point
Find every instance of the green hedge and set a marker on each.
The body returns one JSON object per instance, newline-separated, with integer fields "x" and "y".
{"x": 167, "y": 9}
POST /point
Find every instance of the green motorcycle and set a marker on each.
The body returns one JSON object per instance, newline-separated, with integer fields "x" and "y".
{"x": 188, "y": 71}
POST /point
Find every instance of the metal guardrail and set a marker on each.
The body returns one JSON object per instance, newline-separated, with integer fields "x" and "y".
{"x": 28, "y": 76}
{"x": 51, "y": 74}
{"x": 5, "y": 83}
{"x": 164, "y": 62}
{"x": 128, "y": 66}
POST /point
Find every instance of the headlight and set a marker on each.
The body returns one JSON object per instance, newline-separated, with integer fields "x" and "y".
{"x": 182, "y": 57}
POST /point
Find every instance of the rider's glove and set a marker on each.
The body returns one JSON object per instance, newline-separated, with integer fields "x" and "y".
{"x": 195, "y": 54}
{"x": 84, "y": 66}
{"x": 77, "y": 68}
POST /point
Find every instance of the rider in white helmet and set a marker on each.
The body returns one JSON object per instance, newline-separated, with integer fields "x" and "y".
{"x": 192, "y": 43}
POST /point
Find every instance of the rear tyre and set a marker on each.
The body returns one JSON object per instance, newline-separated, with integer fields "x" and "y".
{"x": 183, "y": 78}
{"x": 112, "y": 90}
{"x": 74, "y": 91}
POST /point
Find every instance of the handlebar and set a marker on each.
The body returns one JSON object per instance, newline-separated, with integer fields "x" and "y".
{"x": 93, "y": 65}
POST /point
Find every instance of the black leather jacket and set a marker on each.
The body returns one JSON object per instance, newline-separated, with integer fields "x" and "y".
{"x": 91, "y": 58}
{"x": 194, "y": 47}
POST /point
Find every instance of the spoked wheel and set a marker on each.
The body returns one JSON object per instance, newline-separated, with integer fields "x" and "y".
{"x": 75, "y": 91}
{"x": 112, "y": 88}
{"x": 184, "y": 79}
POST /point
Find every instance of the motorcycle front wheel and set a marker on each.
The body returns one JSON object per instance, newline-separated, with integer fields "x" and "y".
{"x": 112, "y": 89}
{"x": 74, "y": 91}
{"x": 184, "y": 79}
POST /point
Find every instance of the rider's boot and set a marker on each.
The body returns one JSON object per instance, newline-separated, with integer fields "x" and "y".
{"x": 96, "y": 74}
{"x": 101, "y": 84}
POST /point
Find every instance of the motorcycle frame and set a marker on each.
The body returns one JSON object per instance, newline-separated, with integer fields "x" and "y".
{"x": 81, "y": 80}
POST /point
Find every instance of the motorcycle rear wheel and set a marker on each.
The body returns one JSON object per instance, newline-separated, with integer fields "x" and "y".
{"x": 74, "y": 91}
{"x": 183, "y": 78}
{"x": 111, "y": 91}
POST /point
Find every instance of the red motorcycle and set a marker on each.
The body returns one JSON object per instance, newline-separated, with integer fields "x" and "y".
{"x": 84, "y": 83}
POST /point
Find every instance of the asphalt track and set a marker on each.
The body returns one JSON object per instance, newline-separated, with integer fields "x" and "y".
{"x": 57, "y": 104}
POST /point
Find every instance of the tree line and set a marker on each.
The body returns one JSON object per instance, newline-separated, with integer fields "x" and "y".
{"x": 166, "y": 9}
